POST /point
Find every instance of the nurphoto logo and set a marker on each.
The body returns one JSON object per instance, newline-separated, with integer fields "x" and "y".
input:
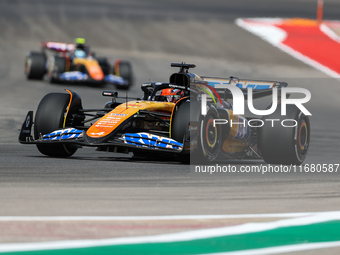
{"x": 238, "y": 105}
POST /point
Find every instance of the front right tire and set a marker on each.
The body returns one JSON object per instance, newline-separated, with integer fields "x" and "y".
{"x": 208, "y": 137}
{"x": 57, "y": 66}
{"x": 104, "y": 65}
{"x": 50, "y": 117}
{"x": 124, "y": 70}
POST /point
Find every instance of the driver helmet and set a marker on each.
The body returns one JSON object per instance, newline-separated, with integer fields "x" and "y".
{"x": 172, "y": 95}
{"x": 81, "y": 49}
{"x": 80, "y": 53}
{"x": 80, "y": 43}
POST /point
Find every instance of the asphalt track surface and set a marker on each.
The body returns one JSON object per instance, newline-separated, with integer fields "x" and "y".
{"x": 152, "y": 34}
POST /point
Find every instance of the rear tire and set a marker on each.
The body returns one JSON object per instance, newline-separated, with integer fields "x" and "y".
{"x": 285, "y": 145}
{"x": 35, "y": 65}
{"x": 124, "y": 70}
{"x": 50, "y": 117}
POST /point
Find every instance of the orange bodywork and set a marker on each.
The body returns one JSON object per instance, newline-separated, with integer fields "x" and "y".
{"x": 92, "y": 67}
{"x": 117, "y": 116}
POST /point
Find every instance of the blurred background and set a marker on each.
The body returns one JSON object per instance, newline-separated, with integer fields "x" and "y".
{"x": 151, "y": 34}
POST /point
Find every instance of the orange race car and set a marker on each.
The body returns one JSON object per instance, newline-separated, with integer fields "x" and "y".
{"x": 75, "y": 62}
{"x": 188, "y": 118}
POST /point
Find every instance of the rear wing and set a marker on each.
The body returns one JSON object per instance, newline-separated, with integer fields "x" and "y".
{"x": 260, "y": 88}
{"x": 58, "y": 46}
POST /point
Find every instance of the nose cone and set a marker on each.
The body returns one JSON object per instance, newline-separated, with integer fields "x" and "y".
{"x": 95, "y": 71}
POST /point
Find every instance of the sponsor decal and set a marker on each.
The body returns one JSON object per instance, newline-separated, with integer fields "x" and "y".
{"x": 242, "y": 84}
{"x": 118, "y": 114}
{"x": 28, "y": 120}
{"x": 97, "y": 134}
{"x": 60, "y": 46}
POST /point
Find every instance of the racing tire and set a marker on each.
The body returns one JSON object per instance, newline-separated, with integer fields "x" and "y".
{"x": 104, "y": 65}
{"x": 50, "y": 117}
{"x": 180, "y": 121}
{"x": 57, "y": 66}
{"x": 210, "y": 138}
{"x": 35, "y": 65}
{"x": 179, "y": 125}
{"x": 285, "y": 145}
{"x": 124, "y": 70}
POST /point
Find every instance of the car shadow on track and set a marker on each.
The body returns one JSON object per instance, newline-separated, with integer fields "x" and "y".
{"x": 117, "y": 159}
{"x": 166, "y": 161}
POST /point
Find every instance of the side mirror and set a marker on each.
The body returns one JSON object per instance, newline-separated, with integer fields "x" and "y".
{"x": 110, "y": 93}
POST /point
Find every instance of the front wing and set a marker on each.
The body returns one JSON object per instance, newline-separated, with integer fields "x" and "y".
{"x": 75, "y": 136}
